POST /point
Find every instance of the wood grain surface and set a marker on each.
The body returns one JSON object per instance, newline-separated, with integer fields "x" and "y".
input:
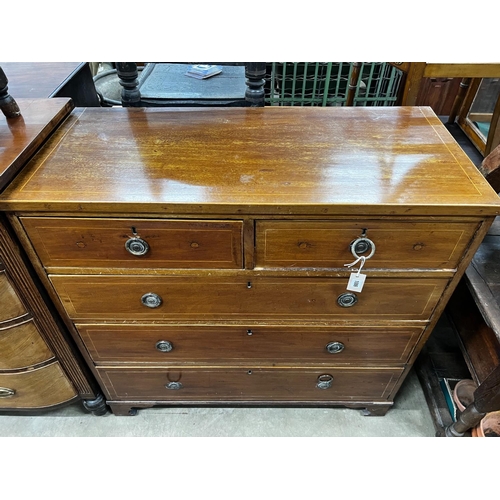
{"x": 253, "y": 160}
{"x": 128, "y": 343}
{"x": 20, "y": 137}
{"x": 225, "y": 298}
{"x": 22, "y": 346}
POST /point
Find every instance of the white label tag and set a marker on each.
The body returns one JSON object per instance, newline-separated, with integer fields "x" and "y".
{"x": 356, "y": 282}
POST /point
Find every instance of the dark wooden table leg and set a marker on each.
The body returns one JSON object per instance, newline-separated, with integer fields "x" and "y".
{"x": 8, "y": 105}
{"x": 486, "y": 399}
{"x": 255, "y": 73}
{"x": 128, "y": 75}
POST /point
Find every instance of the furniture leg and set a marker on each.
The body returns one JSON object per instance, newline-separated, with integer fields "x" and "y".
{"x": 8, "y": 105}
{"x": 128, "y": 77}
{"x": 486, "y": 399}
{"x": 96, "y": 406}
{"x": 255, "y": 73}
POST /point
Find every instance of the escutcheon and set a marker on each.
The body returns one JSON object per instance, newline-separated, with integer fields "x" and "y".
{"x": 347, "y": 299}
{"x": 324, "y": 381}
{"x": 164, "y": 346}
{"x": 335, "y": 347}
{"x": 5, "y": 392}
{"x": 151, "y": 300}
{"x": 137, "y": 246}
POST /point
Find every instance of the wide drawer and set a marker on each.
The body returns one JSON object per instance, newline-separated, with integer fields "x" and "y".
{"x": 191, "y": 297}
{"x": 226, "y": 344}
{"x": 10, "y": 304}
{"x": 39, "y": 388}
{"x": 103, "y": 243}
{"x": 22, "y": 346}
{"x": 249, "y": 383}
{"x": 395, "y": 244}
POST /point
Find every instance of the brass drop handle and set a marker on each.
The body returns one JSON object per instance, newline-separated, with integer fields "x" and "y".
{"x": 324, "y": 381}
{"x": 137, "y": 246}
{"x": 5, "y": 392}
{"x": 347, "y": 299}
{"x": 362, "y": 245}
{"x": 164, "y": 346}
{"x": 151, "y": 300}
{"x": 174, "y": 386}
{"x": 335, "y": 347}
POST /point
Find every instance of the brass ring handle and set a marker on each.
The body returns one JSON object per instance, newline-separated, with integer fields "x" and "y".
{"x": 5, "y": 392}
{"x": 324, "y": 381}
{"x": 164, "y": 346}
{"x": 151, "y": 300}
{"x": 362, "y": 245}
{"x": 347, "y": 299}
{"x": 137, "y": 246}
{"x": 174, "y": 386}
{"x": 335, "y": 347}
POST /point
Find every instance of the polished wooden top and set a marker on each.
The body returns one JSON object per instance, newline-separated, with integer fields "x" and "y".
{"x": 276, "y": 160}
{"x": 38, "y": 79}
{"x": 20, "y": 137}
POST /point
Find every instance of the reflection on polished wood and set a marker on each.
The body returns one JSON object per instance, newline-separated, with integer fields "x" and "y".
{"x": 20, "y": 137}
{"x": 246, "y": 160}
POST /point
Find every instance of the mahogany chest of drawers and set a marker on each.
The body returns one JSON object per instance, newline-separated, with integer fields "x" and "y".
{"x": 201, "y": 256}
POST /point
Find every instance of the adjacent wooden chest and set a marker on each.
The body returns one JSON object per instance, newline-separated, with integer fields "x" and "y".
{"x": 210, "y": 256}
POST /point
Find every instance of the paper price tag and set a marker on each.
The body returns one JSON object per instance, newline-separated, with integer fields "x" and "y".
{"x": 356, "y": 282}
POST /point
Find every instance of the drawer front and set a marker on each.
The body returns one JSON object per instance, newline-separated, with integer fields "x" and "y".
{"x": 10, "y": 304}
{"x": 195, "y": 298}
{"x": 43, "y": 387}
{"x": 22, "y": 346}
{"x": 66, "y": 242}
{"x": 396, "y": 245}
{"x": 247, "y": 384}
{"x": 162, "y": 344}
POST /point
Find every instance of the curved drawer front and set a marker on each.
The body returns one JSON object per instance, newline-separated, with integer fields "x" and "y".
{"x": 195, "y": 298}
{"x": 10, "y": 304}
{"x": 39, "y": 388}
{"x": 230, "y": 384}
{"x": 396, "y": 245}
{"x": 22, "y": 346}
{"x": 162, "y": 344}
{"x": 136, "y": 243}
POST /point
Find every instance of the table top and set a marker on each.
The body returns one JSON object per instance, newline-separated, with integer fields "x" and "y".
{"x": 21, "y": 136}
{"x": 272, "y": 160}
{"x": 37, "y": 79}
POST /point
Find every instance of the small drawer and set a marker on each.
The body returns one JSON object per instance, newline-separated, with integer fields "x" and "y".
{"x": 226, "y": 344}
{"x": 39, "y": 388}
{"x": 250, "y": 384}
{"x": 388, "y": 244}
{"x": 136, "y": 243}
{"x": 195, "y": 298}
{"x": 22, "y": 346}
{"x": 10, "y": 304}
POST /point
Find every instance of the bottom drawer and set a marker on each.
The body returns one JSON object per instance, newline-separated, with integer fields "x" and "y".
{"x": 43, "y": 387}
{"x": 249, "y": 384}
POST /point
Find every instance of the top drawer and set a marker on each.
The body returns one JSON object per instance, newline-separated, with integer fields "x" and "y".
{"x": 136, "y": 243}
{"x": 393, "y": 244}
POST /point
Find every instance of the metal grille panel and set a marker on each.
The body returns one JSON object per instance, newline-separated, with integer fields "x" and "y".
{"x": 326, "y": 83}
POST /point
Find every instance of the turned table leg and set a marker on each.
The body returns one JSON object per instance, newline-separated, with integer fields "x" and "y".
{"x": 486, "y": 399}
{"x": 8, "y": 105}
{"x": 96, "y": 406}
